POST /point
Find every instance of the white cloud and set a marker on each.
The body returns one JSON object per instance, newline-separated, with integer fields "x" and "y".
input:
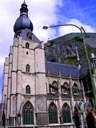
{"x": 69, "y": 29}
{"x": 41, "y": 12}
{"x": 45, "y": 13}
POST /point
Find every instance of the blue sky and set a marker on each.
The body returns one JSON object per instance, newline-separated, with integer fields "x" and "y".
{"x": 85, "y": 11}
{"x": 45, "y": 12}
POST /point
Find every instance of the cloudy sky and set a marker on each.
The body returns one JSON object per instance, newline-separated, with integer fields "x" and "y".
{"x": 45, "y": 12}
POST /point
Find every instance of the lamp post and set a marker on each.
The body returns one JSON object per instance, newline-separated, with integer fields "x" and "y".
{"x": 86, "y": 52}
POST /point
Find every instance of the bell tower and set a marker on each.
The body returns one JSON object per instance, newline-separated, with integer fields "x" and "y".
{"x": 24, "y": 76}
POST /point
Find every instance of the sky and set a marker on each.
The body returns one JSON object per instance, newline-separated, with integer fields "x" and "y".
{"x": 41, "y": 13}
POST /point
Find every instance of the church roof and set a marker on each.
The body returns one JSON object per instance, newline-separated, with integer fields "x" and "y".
{"x": 64, "y": 69}
{"x": 23, "y": 26}
{"x": 23, "y": 21}
{"x": 83, "y": 69}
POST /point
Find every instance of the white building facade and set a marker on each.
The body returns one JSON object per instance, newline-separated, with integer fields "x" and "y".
{"x": 35, "y": 92}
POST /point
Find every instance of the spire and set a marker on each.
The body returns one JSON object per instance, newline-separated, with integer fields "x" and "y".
{"x": 24, "y": 9}
{"x": 93, "y": 60}
{"x": 77, "y": 54}
{"x": 24, "y": 2}
{"x": 92, "y": 55}
{"x": 23, "y": 22}
{"x": 78, "y": 58}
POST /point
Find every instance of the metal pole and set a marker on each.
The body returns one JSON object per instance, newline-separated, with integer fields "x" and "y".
{"x": 89, "y": 66}
{"x": 85, "y": 48}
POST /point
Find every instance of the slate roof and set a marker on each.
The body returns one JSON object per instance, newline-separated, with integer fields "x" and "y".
{"x": 64, "y": 69}
{"x": 23, "y": 22}
{"x": 24, "y": 35}
{"x": 83, "y": 70}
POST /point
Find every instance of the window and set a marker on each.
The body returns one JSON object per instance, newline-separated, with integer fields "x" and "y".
{"x": 27, "y": 53}
{"x": 53, "y": 88}
{"x": 75, "y": 89}
{"x": 65, "y": 89}
{"x": 28, "y": 113}
{"x": 28, "y": 91}
{"x": 29, "y": 35}
{"x": 52, "y": 111}
{"x": 27, "y": 45}
{"x": 27, "y": 68}
{"x": 66, "y": 113}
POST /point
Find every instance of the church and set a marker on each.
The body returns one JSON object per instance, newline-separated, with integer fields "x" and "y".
{"x": 35, "y": 91}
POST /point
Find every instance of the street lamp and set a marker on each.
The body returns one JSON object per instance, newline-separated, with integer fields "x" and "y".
{"x": 86, "y": 52}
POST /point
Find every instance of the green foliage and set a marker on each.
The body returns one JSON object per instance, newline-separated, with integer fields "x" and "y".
{"x": 71, "y": 60}
{"x": 62, "y": 60}
{"x": 50, "y": 44}
{"x": 78, "y": 41}
{"x": 51, "y": 58}
{"x": 77, "y": 38}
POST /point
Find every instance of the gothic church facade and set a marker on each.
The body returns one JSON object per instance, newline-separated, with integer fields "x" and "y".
{"x": 36, "y": 92}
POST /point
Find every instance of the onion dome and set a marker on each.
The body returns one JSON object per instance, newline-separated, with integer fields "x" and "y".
{"x": 23, "y": 22}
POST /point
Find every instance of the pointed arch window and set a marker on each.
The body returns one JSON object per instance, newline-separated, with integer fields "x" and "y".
{"x": 66, "y": 113}
{"x": 28, "y": 113}
{"x": 27, "y": 45}
{"x": 27, "y": 68}
{"x": 65, "y": 89}
{"x": 28, "y": 90}
{"x": 53, "y": 88}
{"x": 53, "y": 115}
{"x": 75, "y": 89}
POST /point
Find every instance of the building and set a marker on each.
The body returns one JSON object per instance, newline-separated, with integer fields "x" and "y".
{"x": 0, "y": 115}
{"x": 63, "y": 49}
{"x": 36, "y": 92}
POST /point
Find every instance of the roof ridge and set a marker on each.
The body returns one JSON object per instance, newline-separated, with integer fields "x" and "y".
{"x": 61, "y": 64}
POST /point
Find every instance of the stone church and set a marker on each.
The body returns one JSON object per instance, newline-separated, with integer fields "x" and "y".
{"x": 37, "y": 92}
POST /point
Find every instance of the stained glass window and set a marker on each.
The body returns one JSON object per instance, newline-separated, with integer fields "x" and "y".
{"x": 66, "y": 113}
{"x": 75, "y": 89}
{"x": 53, "y": 115}
{"x": 27, "y": 45}
{"x": 28, "y": 90}
{"x": 27, "y": 68}
{"x": 54, "y": 87}
{"x": 28, "y": 113}
{"x": 65, "y": 89}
